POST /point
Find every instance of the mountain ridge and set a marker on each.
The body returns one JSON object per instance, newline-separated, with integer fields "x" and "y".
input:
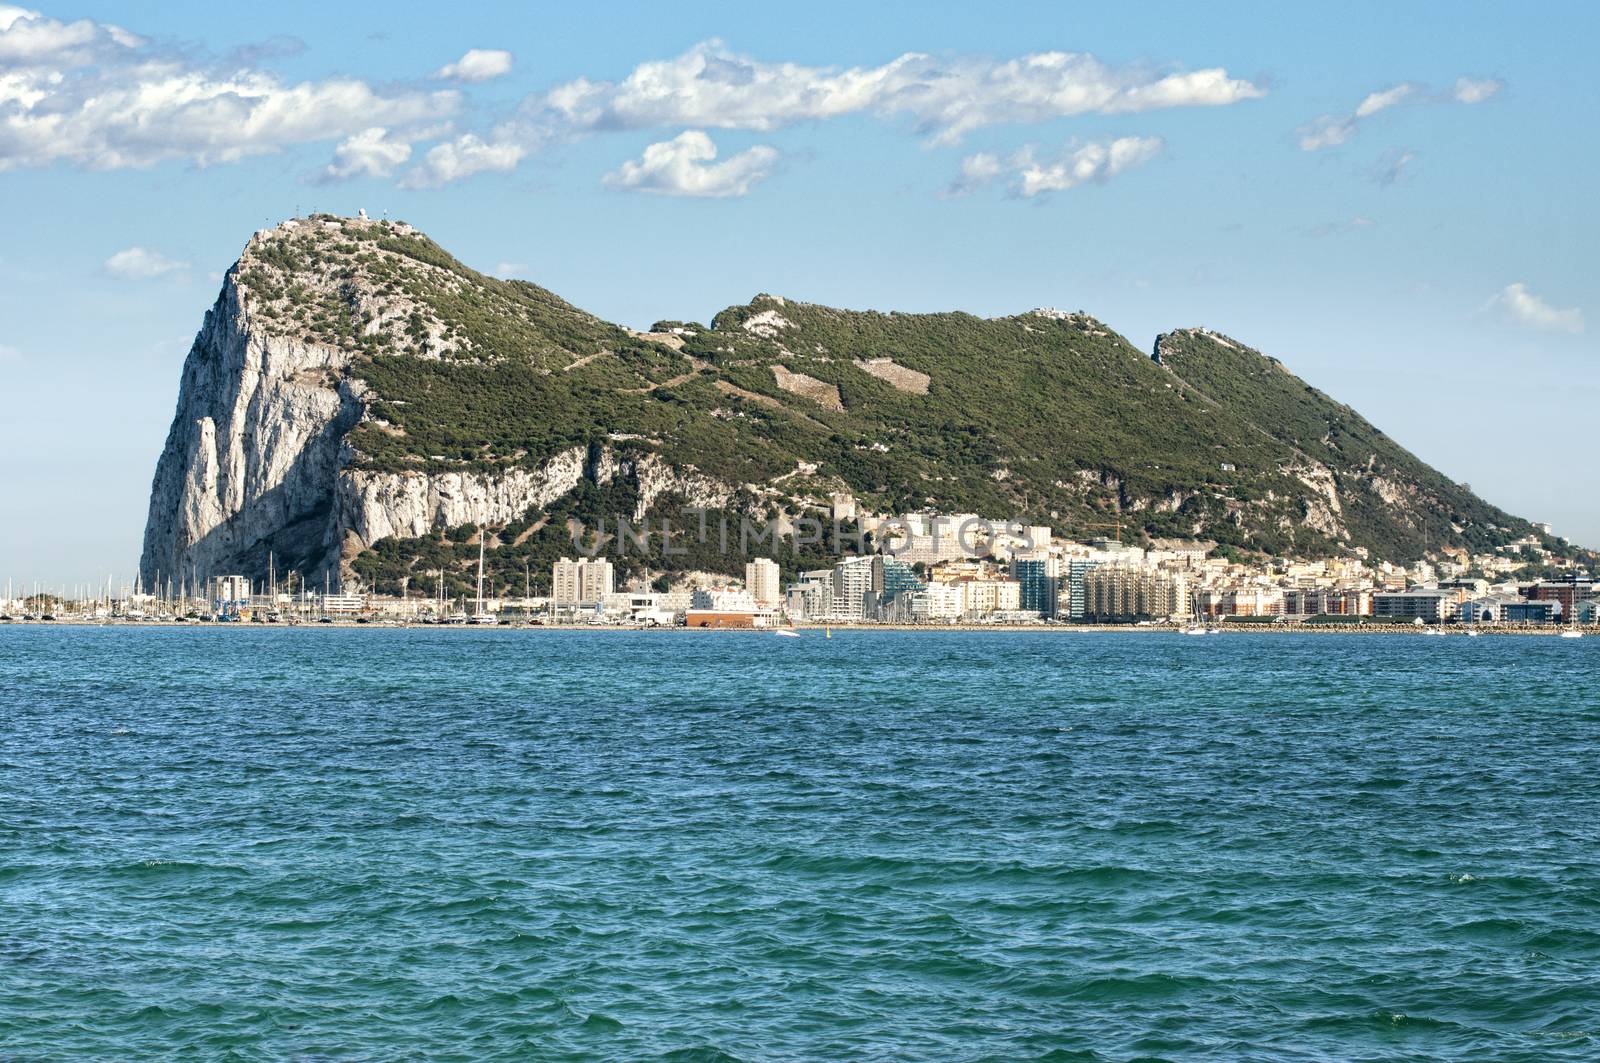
{"x": 355, "y": 389}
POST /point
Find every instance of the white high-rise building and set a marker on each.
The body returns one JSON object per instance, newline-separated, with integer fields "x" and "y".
{"x": 761, "y": 580}
{"x": 588, "y": 579}
{"x": 852, "y": 582}
{"x": 599, "y": 579}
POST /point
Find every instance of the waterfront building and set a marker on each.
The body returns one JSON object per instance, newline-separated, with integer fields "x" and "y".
{"x": 1078, "y": 570}
{"x": 588, "y": 579}
{"x": 1130, "y": 593}
{"x": 233, "y": 592}
{"x": 938, "y": 602}
{"x": 1253, "y": 601}
{"x": 1489, "y": 609}
{"x": 727, "y": 607}
{"x": 1428, "y": 604}
{"x": 761, "y": 580}
{"x": 1039, "y": 583}
{"x": 985, "y": 596}
{"x": 892, "y": 576}
{"x": 1307, "y": 601}
{"x": 812, "y": 597}
{"x": 725, "y": 599}
{"x": 1569, "y": 591}
{"x": 342, "y": 604}
{"x": 1531, "y": 611}
{"x": 1588, "y": 611}
{"x": 852, "y": 582}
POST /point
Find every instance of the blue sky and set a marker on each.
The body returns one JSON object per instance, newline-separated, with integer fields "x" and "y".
{"x": 1396, "y": 204}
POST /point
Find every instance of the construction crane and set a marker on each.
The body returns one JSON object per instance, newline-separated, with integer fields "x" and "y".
{"x": 1117, "y": 525}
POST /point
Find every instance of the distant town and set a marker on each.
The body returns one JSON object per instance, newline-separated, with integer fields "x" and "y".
{"x": 928, "y": 570}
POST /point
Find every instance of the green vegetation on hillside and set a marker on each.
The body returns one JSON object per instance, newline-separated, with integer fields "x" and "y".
{"x": 1044, "y": 416}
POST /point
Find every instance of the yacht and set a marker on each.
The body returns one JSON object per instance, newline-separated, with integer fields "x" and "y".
{"x": 480, "y": 614}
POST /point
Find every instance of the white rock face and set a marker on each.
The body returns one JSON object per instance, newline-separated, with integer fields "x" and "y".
{"x": 256, "y": 440}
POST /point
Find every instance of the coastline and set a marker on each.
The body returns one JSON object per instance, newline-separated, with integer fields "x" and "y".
{"x": 926, "y": 629}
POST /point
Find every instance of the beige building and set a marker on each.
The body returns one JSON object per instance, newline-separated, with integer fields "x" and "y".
{"x": 588, "y": 579}
{"x": 761, "y": 580}
{"x": 1126, "y": 593}
{"x": 984, "y": 596}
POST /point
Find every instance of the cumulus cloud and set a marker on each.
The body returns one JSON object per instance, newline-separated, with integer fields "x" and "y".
{"x": 369, "y": 153}
{"x": 90, "y": 94}
{"x": 8, "y": 353}
{"x": 1332, "y": 130}
{"x": 100, "y": 97}
{"x": 1529, "y": 310}
{"x": 685, "y": 166}
{"x": 1470, "y": 90}
{"x": 466, "y": 155}
{"x": 1030, "y": 176}
{"x": 141, "y": 264}
{"x": 711, "y": 87}
{"x": 477, "y": 65}
{"x": 507, "y": 270}
{"x": 976, "y": 171}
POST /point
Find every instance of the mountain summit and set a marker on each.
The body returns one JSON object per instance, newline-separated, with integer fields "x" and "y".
{"x": 357, "y": 397}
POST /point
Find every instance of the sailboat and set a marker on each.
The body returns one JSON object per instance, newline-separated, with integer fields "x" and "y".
{"x": 481, "y": 615}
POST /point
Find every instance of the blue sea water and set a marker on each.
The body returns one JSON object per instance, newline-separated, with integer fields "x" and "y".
{"x": 478, "y": 844}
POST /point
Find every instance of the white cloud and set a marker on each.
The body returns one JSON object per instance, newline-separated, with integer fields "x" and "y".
{"x": 1526, "y": 308}
{"x": 479, "y": 64}
{"x": 1470, "y": 90}
{"x": 1385, "y": 99}
{"x": 463, "y": 157}
{"x": 683, "y": 166}
{"x": 709, "y": 86}
{"x": 8, "y": 353}
{"x": 508, "y": 270}
{"x": 369, "y": 153}
{"x": 976, "y": 171}
{"x": 1097, "y": 161}
{"x": 1332, "y": 130}
{"x": 99, "y": 97}
{"x": 1328, "y": 131}
{"x": 141, "y": 264}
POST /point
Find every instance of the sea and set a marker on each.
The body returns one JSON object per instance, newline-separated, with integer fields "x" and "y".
{"x": 353, "y": 844}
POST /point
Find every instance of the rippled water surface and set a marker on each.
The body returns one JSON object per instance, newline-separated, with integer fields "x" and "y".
{"x": 354, "y": 844}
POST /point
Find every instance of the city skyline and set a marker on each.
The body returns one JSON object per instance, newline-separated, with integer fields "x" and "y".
{"x": 1385, "y": 212}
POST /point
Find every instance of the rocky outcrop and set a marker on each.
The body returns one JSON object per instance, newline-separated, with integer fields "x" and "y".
{"x": 256, "y": 442}
{"x": 258, "y": 467}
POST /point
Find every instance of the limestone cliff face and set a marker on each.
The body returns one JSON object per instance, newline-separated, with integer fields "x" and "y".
{"x": 254, "y": 448}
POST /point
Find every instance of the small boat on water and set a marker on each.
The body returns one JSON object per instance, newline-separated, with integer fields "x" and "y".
{"x": 481, "y": 615}
{"x": 1572, "y": 633}
{"x": 786, "y": 633}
